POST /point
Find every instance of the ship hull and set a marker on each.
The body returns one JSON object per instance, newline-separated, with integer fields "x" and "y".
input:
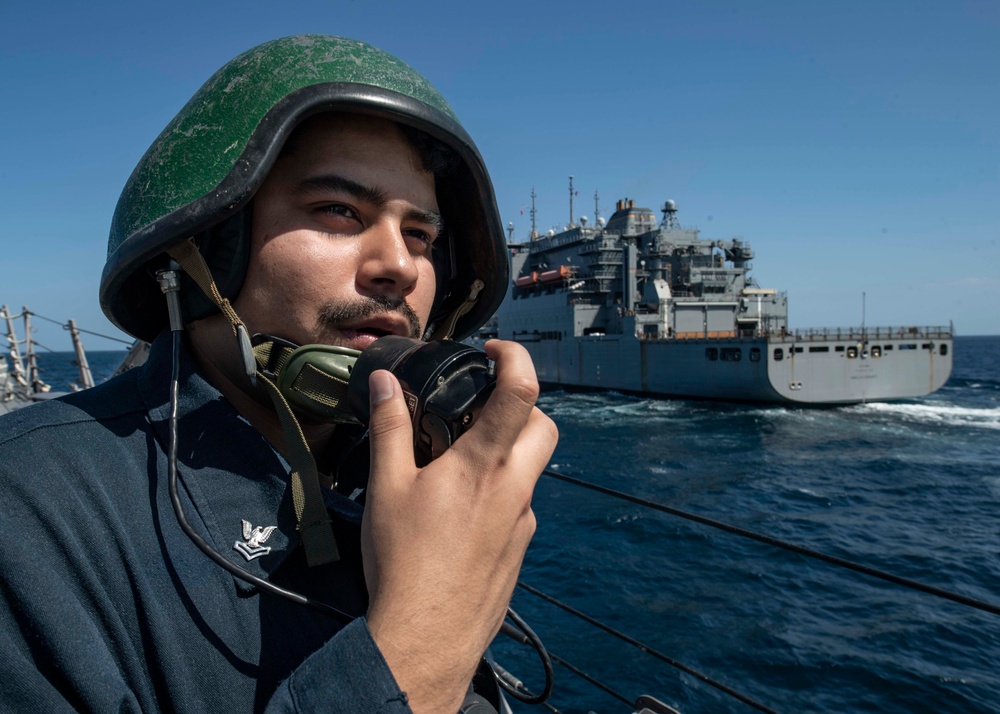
{"x": 809, "y": 372}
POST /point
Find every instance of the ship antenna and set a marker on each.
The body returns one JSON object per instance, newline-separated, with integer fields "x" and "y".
{"x": 571, "y": 194}
{"x": 597, "y": 210}
{"x": 862, "y": 314}
{"x": 534, "y": 228}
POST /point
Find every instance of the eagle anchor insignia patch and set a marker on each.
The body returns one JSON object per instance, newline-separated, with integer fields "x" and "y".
{"x": 252, "y": 546}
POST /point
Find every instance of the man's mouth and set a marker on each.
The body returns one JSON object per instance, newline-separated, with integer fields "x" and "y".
{"x": 360, "y": 324}
{"x": 361, "y": 335}
{"x": 365, "y": 333}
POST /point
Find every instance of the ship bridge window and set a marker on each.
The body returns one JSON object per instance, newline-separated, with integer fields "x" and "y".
{"x": 821, "y": 348}
{"x": 943, "y": 349}
{"x": 731, "y": 354}
{"x": 797, "y": 350}
{"x": 852, "y": 352}
{"x": 755, "y": 354}
{"x": 711, "y": 354}
{"x": 839, "y": 348}
{"x": 908, "y": 346}
{"x": 927, "y": 346}
{"x": 887, "y": 348}
{"x": 779, "y": 354}
{"x": 876, "y": 352}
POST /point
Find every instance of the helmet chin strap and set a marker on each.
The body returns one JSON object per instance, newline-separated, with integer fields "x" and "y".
{"x": 314, "y": 522}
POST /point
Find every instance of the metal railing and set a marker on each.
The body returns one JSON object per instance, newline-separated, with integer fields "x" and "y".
{"x": 822, "y": 334}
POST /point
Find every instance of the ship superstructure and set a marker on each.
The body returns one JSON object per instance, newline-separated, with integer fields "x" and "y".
{"x": 641, "y": 304}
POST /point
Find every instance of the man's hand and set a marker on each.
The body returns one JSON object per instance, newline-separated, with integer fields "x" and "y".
{"x": 443, "y": 544}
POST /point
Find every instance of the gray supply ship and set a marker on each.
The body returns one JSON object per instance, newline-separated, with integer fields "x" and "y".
{"x": 646, "y": 306}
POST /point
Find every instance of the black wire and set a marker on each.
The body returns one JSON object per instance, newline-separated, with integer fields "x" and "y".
{"x": 79, "y": 329}
{"x": 647, "y": 649}
{"x": 527, "y": 636}
{"x": 583, "y": 675}
{"x": 207, "y": 549}
{"x": 105, "y": 337}
{"x": 832, "y": 559}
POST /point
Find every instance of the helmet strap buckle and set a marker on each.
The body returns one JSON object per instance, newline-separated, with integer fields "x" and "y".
{"x": 447, "y": 328}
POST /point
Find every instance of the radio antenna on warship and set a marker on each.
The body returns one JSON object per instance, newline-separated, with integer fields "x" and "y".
{"x": 571, "y": 194}
{"x": 534, "y": 228}
{"x": 597, "y": 210}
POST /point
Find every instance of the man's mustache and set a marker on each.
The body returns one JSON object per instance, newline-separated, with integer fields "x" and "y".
{"x": 333, "y": 315}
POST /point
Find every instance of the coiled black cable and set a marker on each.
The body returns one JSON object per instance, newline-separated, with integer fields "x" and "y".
{"x": 526, "y": 636}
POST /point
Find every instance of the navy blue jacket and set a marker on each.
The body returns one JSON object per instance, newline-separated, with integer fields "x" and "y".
{"x": 106, "y": 605}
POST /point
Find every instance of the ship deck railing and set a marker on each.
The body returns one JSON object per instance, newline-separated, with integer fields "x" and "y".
{"x": 821, "y": 334}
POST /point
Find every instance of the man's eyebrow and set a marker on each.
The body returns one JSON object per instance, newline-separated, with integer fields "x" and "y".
{"x": 368, "y": 194}
{"x": 332, "y": 182}
{"x": 429, "y": 217}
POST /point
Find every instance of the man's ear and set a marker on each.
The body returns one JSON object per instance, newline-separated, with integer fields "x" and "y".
{"x": 226, "y": 248}
{"x": 443, "y": 258}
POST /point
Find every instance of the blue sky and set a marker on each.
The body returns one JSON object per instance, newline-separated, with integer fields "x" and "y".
{"x": 855, "y": 145}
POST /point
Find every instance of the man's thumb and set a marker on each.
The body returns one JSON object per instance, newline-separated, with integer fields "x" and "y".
{"x": 389, "y": 427}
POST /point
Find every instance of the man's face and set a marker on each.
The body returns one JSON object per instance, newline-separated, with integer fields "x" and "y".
{"x": 342, "y": 235}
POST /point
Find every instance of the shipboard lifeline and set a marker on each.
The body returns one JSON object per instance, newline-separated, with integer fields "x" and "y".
{"x": 643, "y": 306}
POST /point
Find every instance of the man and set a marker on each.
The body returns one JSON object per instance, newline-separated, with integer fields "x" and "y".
{"x": 315, "y": 192}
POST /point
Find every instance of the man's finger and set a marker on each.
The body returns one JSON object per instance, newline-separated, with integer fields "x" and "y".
{"x": 507, "y": 411}
{"x": 389, "y": 429}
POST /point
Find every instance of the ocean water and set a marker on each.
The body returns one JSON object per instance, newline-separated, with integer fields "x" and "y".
{"x": 912, "y": 488}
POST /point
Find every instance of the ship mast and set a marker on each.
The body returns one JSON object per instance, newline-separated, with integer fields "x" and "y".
{"x": 597, "y": 210}
{"x": 534, "y": 228}
{"x": 571, "y": 194}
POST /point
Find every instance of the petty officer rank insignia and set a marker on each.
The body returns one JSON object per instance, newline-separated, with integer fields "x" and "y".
{"x": 252, "y": 546}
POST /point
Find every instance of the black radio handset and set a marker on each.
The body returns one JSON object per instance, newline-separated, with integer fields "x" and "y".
{"x": 445, "y": 385}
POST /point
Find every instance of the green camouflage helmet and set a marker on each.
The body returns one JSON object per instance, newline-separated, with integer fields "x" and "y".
{"x": 214, "y": 155}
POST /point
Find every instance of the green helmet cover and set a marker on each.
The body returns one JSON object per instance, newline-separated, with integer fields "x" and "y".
{"x": 212, "y": 157}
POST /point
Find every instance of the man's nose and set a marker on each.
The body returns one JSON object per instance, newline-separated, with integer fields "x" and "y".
{"x": 386, "y": 264}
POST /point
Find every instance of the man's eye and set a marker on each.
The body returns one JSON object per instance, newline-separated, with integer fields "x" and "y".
{"x": 337, "y": 209}
{"x": 422, "y": 236}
